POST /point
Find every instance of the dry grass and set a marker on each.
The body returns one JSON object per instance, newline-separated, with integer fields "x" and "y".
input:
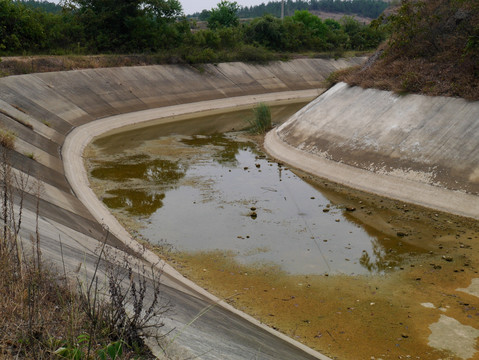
{"x": 7, "y": 139}
{"x": 39, "y": 314}
{"x": 418, "y": 75}
{"x": 44, "y": 316}
{"x": 42, "y": 313}
{"x": 19, "y": 65}
{"x": 433, "y": 50}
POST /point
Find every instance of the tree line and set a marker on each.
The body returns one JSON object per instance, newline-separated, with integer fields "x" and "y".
{"x": 367, "y": 8}
{"x": 156, "y": 26}
{"x": 42, "y": 5}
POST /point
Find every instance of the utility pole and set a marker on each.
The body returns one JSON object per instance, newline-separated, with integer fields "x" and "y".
{"x": 282, "y": 9}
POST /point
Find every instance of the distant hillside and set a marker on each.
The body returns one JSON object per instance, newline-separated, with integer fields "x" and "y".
{"x": 433, "y": 49}
{"x": 337, "y": 16}
{"x": 370, "y": 9}
{"x": 49, "y": 7}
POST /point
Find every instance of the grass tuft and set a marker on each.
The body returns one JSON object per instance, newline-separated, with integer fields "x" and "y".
{"x": 261, "y": 121}
{"x": 7, "y": 139}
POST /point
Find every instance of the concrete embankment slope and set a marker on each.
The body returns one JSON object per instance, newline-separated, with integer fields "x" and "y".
{"x": 420, "y": 149}
{"x": 43, "y": 109}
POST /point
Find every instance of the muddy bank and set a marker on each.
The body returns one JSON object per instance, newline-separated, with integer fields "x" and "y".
{"x": 386, "y": 316}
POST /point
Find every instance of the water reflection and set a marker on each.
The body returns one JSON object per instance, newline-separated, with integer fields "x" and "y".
{"x": 139, "y": 167}
{"x": 227, "y": 148}
{"x": 139, "y": 198}
{"x": 381, "y": 259}
{"x": 135, "y": 202}
{"x": 289, "y": 222}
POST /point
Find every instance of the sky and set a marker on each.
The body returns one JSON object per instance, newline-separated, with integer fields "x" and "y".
{"x": 192, "y": 6}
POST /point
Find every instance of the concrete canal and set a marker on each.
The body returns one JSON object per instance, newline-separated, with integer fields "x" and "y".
{"x": 350, "y": 274}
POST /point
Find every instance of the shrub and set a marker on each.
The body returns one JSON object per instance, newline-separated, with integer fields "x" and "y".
{"x": 7, "y": 139}
{"x": 261, "y": 122}
{"x": 254, "y": 54}
{"x": 201, "y": 56}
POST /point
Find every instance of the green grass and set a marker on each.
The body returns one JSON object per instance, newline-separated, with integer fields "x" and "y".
{"x": 261, "y": 121}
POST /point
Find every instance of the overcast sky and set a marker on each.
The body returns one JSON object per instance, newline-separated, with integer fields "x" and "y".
{"x": 192, "y": 6}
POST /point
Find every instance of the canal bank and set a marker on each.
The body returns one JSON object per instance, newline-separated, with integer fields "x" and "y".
{"x": 419, "y": 149}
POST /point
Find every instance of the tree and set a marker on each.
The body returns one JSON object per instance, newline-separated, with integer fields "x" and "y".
{"x": 21, "y": 28}
{"x": 204, "y": 15}
{"x": 125, "y": 25}
{"x": 311, "y": 22}
{"x": 166, "y": 10}
{"x": 266, "y": 31}
{"x": 224, "y": 15}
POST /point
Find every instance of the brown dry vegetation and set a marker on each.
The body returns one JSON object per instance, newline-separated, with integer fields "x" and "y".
{"x": 45, "y": 316}
{"x": 18, "y": 65}
{"x": 433, "y": 49}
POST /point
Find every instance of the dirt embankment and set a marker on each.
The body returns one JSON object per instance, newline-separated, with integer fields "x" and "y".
{"x": 433, "y": 50}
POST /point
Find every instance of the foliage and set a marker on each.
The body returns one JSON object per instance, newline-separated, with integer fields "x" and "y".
{"x": 128, "y": 25}
{"x": 305, "y": 31}
{"x": 433, "y": 49}
{"x": 156, "y": 27}
{"x": 20, "y": 27}
{"x": 367, "y": 8}
{"x": 267, "y": 31}
{"x": 250, "y": 53}
{"x": 204, "y": 15}
{"x": 113, "y": 350}
{"x": 426, "y": 28}
{"x": 46, "y": 6}
{"x": 224, "y": 15}
{"x": 261, "y": 122}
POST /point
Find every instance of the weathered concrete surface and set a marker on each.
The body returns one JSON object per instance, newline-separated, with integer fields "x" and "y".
{"x": 449, "y": 334}
{"x": 419, "y": 149}
{"x": 41, "y": 109}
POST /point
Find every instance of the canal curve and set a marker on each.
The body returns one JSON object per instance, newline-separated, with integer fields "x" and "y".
{"x": 44, "y": 109}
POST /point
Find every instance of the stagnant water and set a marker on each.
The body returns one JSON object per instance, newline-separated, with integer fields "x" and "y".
{"x": 199, "y": 184}
{"x": 199, "y": 190}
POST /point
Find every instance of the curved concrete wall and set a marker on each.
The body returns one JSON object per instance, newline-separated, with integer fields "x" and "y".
{"x": 420, "y": 149}
{"x": 42, "y": 109}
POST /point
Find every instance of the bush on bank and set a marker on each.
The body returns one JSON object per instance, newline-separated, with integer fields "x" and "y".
{"x": 433, "y": 49}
